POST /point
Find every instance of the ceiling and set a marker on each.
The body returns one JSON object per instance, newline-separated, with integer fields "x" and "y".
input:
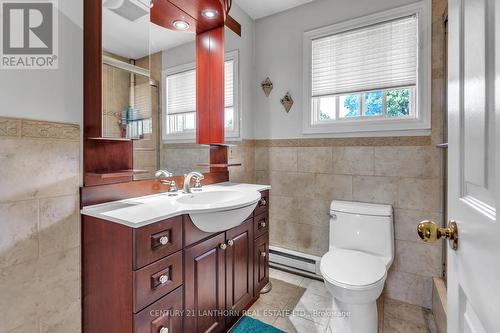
{"x": 126, "y": 38}
{"x": 134, "y": 40}
{"x": 261, "y": 8}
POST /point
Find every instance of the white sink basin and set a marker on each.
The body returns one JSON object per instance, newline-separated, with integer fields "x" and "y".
{"x": 215, "y": 211}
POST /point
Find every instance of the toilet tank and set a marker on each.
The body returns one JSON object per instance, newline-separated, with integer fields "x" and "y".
{"x": 364, "y": 227}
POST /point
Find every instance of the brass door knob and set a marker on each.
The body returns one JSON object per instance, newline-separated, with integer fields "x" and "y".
{"x": 430, "y": 232}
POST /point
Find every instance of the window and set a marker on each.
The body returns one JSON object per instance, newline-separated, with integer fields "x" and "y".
{"x": 369, "y": 74}
{"x": 180, "y": 100}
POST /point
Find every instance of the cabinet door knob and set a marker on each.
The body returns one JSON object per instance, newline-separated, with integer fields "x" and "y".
{"x": 223, "y": 246}
{"x": 263, "y": 202}
{"x": 230, "y": 242}
{"x": 163, "y": 279}
{"x": 262, "y": 224}
{"x": 263, "y": 254}
{"x": 164, "y": 330}
{"x": 164, "y": 240}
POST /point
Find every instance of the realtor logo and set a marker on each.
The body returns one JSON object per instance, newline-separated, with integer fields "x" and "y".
{"x": 29, "y": 34}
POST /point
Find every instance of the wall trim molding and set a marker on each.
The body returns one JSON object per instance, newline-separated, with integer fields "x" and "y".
{"x": 37, "y": 129}
{"x": 344, "y": 142}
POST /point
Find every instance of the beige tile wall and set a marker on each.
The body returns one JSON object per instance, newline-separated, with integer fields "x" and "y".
{"x": 305, "y": 180}
{"x": 39, "y": 227}
{"x": 183, "y": 158}
{"x": 242, "y": 152}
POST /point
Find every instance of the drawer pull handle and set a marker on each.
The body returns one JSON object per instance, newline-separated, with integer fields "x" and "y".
{"x": 263, "y": 254}
{"x": 163, "y": 279}
{"x": 262, "y": 224}
{"x": 164, "y": 330}
{"x": 223, "y": 246}
{"x": 262, "y": 202}
{"x": 230, "y": 242}
{"x": 164, "y": 240}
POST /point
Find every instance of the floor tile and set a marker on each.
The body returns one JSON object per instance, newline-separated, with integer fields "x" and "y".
{"x": 298, "y": 304}
{"x": 315, "y": 286}
{"x": 285, "y": 276}
{"x": 314, "y": 307}
{"x": 263, "y": 312}
{"x": 295, "y": 324}
{"x": 281, "y": 293}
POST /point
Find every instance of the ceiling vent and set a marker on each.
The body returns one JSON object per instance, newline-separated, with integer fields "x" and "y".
{"x": 128, "y": 9}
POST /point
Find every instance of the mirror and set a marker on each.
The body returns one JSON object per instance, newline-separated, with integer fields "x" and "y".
{"x": 126, "y": 95}
{"x": 137, "y": 55}
{"x": 149, "y": 90}
{"x": 172, "y": 68}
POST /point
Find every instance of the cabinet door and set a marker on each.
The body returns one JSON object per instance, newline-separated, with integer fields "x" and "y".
{"x": 261, "y": 262}
{"x": 204, "y": 284}
{"x": 239, "y": 266}
{"x": 162, "y": 316}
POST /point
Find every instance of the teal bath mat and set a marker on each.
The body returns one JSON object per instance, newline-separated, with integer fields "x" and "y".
{"x": 250, "y": 325}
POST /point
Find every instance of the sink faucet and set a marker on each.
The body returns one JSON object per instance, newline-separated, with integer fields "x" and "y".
{"x": 187, "y": 181}
{"x": 160, "y": 174}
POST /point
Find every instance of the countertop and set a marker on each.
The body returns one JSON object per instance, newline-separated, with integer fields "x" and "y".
{"x": 140, "y": 211}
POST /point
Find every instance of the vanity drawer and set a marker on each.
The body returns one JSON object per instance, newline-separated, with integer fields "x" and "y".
{"x": 165, "y": 314}
{"x": 263, "y": 204}
{"x": 156, "y": 280}
{"x": 157, "y": 240}
{"x": 260, "y": 224}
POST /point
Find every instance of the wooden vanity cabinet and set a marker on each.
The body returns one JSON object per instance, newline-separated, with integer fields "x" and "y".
{"x": 239, "y": 266}
{"x": 261, "y": 262}
{"x": 170, "y": 276}
{"x": 219, "y": 275}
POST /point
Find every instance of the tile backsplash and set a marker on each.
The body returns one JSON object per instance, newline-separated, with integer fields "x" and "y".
{"x": 40, "y": 223}
{"x": 305, "y": 180}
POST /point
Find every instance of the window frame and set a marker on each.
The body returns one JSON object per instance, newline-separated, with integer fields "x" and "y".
{"x": 363, "y": 126}
{"x": 189, "y": 136}
{"x": 362, "y": 104}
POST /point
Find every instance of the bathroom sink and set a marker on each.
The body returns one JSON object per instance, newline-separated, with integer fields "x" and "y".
{"x": 215, "y": 211}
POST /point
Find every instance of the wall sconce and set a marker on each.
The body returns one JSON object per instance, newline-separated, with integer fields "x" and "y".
{"x": 267, "y": 86}
{"x": 287, "y": 102}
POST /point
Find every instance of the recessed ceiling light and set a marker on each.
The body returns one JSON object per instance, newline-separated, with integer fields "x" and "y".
{"x": 180, "y": 25}
{"x": 209, "y": 13}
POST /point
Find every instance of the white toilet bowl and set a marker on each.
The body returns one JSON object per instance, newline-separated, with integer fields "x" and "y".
{"x": 355, "y": 279}
{"x": 355, "y": 268}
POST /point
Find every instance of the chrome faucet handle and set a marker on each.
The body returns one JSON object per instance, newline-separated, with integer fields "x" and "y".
{"x": 173, "y": 187}
{"x": 197, "y": 184}
{"x": 163, "y": 174}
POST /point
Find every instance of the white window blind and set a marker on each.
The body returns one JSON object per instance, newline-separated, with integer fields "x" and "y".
{"x": 181, "y": 92}
{"x": 375, "y": 57}
{"x": 228, "y": 83}
{"x": 180, "y": 100}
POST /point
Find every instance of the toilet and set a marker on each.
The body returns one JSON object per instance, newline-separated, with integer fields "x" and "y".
{"x": 355, "y": 268}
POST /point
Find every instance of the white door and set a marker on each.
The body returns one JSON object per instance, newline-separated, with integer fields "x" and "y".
{"x": 474, "y": 162}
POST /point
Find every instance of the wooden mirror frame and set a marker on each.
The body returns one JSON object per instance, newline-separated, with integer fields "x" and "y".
{"x": 108, "y": 162}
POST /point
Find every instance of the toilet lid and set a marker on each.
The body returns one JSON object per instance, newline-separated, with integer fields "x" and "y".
{"x": 353, "y": 268}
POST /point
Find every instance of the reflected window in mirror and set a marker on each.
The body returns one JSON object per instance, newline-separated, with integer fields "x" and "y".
{"x": 180, "y": 101}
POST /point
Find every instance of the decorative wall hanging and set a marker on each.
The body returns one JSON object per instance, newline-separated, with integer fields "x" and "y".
{"x": 267, "y": 86}
{"x": 287, "y": 102}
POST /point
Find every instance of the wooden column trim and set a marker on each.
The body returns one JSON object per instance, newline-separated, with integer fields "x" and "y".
{"x": 218, "y": 155}
{"x": 210, "y": 87}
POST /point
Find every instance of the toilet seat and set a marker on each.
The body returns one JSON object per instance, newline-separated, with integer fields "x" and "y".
{"x": 352, "y": 269}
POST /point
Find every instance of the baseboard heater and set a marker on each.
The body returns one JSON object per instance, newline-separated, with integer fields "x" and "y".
{"x": 294, "y": 261}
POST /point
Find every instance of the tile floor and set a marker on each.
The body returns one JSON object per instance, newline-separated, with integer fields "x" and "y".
{"x": 288, "y": 305}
